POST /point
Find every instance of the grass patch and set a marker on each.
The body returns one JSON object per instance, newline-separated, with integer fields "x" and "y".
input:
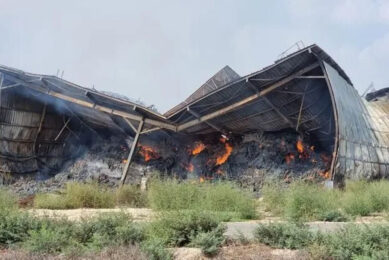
{"x": 307, "y": 201}
{"x": 7, "y": 199}
{"x": 301, "y": 201}
{"x": 218, "y": 197}
{"x": 51, "y": 201}
{"x": 91, "y": 195}
{"x": 363, "y": 198}
{"x": 132, "y": 196}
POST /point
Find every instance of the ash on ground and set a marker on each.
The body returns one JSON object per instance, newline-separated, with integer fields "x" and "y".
{"x": 102, "y": 162}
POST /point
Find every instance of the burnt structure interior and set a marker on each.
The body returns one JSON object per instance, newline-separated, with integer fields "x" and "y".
{"x": 46, "y": 121}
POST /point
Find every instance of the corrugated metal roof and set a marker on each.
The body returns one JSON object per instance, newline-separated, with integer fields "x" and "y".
{"x": 223, "y": 89}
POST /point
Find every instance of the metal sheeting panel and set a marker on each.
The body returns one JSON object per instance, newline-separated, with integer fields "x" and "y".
{"x": 363, "y": 150}
{"x": 22, "y": 145}
{"x": 221, "y": 78}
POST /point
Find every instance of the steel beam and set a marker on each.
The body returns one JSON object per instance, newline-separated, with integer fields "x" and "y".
{"x": 130, "y": 124}
{"x": 301, "y": 108}
{"x": 132, "y": 153}
{"x": 195, "y": 114}
{"x": 150, "y": 130}
{"x": 247, "y": 100}
{"x": 62, "y": 129}
{"x": 311, "y": 77}
{"x": 284, "y": 117}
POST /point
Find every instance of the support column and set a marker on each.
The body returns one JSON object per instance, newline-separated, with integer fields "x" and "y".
{"x": 131, "y": 154}
{"x": 39, "y": 129}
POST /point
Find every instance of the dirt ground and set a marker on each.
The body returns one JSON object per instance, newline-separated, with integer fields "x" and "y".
{"x": 230, "y": 252}
{"x": 138, "y": 214}
{"x": 242, "y": 252}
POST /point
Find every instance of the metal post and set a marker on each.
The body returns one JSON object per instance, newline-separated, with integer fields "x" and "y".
{"x": 301, "y": 108}
{"x": 131, "y": 154}
{"x": 40, "y": 128}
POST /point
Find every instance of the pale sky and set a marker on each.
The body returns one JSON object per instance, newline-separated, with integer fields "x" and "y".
{"x": 161, "y": 51}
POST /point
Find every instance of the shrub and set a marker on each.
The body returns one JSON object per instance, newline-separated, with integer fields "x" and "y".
{"x": 355, "y": 240}
{"x": 210, "y": 242}
{"x": 130, "y": 234}
{"x": 107, "y": 230}
{"x": 178, "y": 228}
{"x": 44, "y": 235}
{"x": 333, "y": 216}
{"x": 14, "y": 226}
{"x": 284, "y": 235}
{"x": 351, "y": 242}
{"x": 131, "y": 196}
{"x": 220, "y": 197}
{"x": 49, "y": 240}
{"x": 155, "y": 249}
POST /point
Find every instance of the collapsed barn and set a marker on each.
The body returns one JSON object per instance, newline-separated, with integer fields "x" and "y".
{"x": 300, "y": 116}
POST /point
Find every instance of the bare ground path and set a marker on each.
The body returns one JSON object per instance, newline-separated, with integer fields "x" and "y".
{"x": 138, "y": 214}
{"x": 247, "y": 228}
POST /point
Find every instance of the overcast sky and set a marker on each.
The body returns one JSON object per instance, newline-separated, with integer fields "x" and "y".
{"x": 161, "y": 51}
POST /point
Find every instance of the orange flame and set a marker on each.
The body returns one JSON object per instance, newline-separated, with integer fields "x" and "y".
{"x": 300, "y": 146}
{"x": 326, "y": 174}
{"x": 198, "y": 148}
{"x": 124, "y": 161}
{"x": 289, "y": 158}
{"x": 148, "y": 153}
{"x": 219, "y": 172}
{"x": 190, "y": 167}
{"x": 202, "y": 179}
{"x": 223, "y": 158}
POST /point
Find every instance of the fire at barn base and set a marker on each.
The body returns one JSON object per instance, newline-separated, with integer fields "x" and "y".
{"x": 300, "y": 117}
